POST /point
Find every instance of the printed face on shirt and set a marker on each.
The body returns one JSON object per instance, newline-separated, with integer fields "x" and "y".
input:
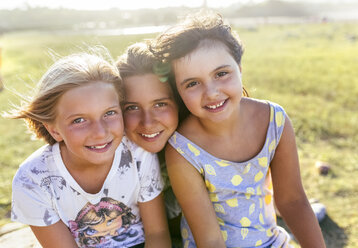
{"x": 209, "y": 81}
{"x": 100, "y": 223}
{"x": 109, "y": 226}
{"x": 150, "y": 112}
{"x": 90, "y": 124}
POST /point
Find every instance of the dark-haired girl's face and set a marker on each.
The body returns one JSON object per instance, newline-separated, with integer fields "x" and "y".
{"x": 150, "y": 112}
{"x": 209, "y": 82}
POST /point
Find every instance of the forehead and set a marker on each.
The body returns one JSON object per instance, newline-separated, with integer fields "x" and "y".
{"x": 147, "y": 85}
{"x": 91, "y": 95}
{"x": 208, "y": 54}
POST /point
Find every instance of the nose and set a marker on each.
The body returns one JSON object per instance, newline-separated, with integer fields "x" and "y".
{"x": 99, "y": 129}
{"x": 212, "y": 90}
{"x": 148, "y": 118}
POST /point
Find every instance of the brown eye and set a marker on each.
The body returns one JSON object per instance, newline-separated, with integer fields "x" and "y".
{"x": 191, "y": 84}
{"x": 131, "y": 108}
{"x": 221, "y": 74}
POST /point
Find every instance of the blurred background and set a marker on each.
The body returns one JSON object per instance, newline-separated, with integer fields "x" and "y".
{"x": 302, "y": 54}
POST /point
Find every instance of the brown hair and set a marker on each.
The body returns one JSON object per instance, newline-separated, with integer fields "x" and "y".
{"x": 67, "y": 73}
{"x": 137, "y": 60}
{"x": 183, "y": 38}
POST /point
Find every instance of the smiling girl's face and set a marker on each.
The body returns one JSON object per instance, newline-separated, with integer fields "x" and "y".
{"x": 209, "y": 81}
{"x": 90, "y": 124}
{"x": 150, "y": 112}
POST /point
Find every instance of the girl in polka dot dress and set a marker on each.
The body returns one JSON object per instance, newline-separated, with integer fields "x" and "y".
{"x": 230, "y": 152}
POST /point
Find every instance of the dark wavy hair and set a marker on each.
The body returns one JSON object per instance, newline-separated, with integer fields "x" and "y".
{"x": 183, "y": 38}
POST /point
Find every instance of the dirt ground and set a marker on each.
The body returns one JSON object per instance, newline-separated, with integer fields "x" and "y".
{"x": 15, "y": 235}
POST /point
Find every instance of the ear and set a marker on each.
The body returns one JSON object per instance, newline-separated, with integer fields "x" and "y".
{"x": 51, "y": 128}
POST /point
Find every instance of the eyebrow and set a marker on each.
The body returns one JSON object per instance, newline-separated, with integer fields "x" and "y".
{"x": 155, "y": 100}
{"x": 78, "y": 115}
{"x": 217, "y": 68}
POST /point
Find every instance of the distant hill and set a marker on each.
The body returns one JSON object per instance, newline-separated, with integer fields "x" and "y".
{"x": 67, "y": 19}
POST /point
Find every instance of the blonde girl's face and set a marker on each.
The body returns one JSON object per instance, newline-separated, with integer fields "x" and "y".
{"x": 90, "y": 124}
{"x": 150, "y": 112}
{"x": 209, "y": 82}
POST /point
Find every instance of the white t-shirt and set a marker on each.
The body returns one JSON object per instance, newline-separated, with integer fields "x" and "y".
{"x": 44, "y": 192}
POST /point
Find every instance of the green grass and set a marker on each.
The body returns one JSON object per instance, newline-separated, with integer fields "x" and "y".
{"x": 311, "y": 70}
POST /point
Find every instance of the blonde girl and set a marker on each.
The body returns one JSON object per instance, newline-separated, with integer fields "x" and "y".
{"x": 89, "y": 186}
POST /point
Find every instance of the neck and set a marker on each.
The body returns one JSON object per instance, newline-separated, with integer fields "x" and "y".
{"x": 222, "y": 128}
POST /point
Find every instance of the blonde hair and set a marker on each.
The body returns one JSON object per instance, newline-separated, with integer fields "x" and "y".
{"x": 67, "y": 73}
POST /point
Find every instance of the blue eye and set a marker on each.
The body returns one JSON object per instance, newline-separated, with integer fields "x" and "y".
{"x": 111, "y": 112}
{"x": 90, "y": 231}
{"x": 78, "y": 120}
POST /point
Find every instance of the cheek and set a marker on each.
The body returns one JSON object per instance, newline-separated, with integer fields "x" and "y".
{"x": 131, "y": 121}
{"x": 170, "y": 117}
{"x": 116, "y": 126}
{"x": 75, "y": 133}
{"x": 191, "y": 100}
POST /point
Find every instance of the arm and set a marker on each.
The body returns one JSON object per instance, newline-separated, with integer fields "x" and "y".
{"x": 289, "y": 194}
{"x": 155, "y": 223}
{"x": 54, "y": 236}
{"x": 192, "y": 195}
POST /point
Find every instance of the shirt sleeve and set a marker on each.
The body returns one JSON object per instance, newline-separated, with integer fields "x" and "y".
{"x": 151, "y": 182}
{"x": 31, "y": 203}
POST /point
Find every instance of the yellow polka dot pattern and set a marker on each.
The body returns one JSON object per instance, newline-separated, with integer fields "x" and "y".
{"x": 184, "y": 233}
{"x": 279, "y": 119}
{"x": 223, "y": 163}
{"x": 236, "y": 180}
{"x": 232, "y": 202}
{"x": 219, "y": 208}
{"x": 220, "y": 221}
{"x": 213, "y": 197}
{"x": 210, "y": 169}
{"x": 247, "y": 169}
{"x": 263, "y": 161}
{"x": 224, "y": 233}
{"x": 259, "y": 176}
{"x": 252, "y": 208}
{"x": 210, "y": 186}
{"x": 258, "y": 243}
{"x": 247, "y": 190}
{"x": 195, "y": 151}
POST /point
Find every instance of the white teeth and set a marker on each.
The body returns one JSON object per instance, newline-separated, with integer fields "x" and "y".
{"x": 150, "y": 135}
{"x": 98, "y": 147}
{"x": 215, "y": 106}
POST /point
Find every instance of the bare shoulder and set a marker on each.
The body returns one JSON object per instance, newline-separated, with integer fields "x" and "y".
{"x": 256, "y": 111}
{"x": 190, "y": 128}
{"x": 256, "y": 106}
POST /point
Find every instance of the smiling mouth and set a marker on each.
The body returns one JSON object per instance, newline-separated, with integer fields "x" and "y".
{"x": 99, "y": 147}
{"x": 150, "y": 136}
{"x": 216, "y": 105}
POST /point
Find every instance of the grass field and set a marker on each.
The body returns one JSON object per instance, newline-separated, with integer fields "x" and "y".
{"x": 310, "y": 69}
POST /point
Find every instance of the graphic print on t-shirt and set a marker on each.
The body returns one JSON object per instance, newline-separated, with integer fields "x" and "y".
{"x": 101, "y": 224}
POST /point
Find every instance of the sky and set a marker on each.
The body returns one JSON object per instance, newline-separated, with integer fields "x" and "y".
{"x": 132, "y": 4}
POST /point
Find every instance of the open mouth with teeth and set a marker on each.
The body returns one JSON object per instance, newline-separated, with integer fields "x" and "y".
{"x": 216, "y": 106}
{"x": 149, "y": 136}
{"x": 100, "y": 147}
